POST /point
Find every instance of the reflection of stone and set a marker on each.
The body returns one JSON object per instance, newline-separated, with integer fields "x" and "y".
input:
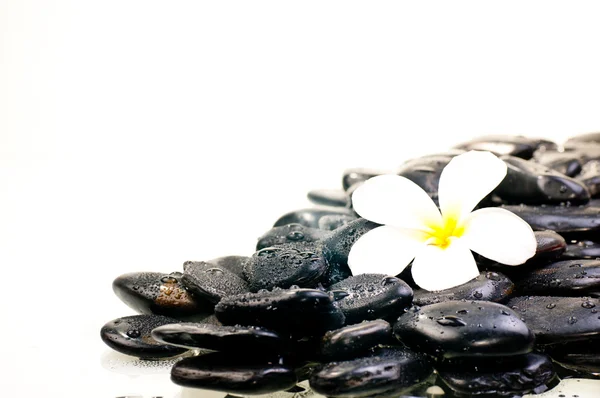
{"x": 582, "y": 388}
{"x": 132, "y": 366}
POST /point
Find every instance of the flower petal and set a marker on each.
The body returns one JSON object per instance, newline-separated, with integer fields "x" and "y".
{"x": 466, "y": 180}
{"x": 435, "y": 268}
{"x": 499, "y": 235}
{"x": 394, "y": 200}
{"x": 384, "y": 250}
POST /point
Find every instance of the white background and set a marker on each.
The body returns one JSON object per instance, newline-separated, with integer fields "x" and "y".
{"x": 135, "y": 135}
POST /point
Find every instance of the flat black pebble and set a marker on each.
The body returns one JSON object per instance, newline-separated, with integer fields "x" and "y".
{"x": 585, "y": 249}
{"x": 356, "y": 176}
{"x": 503, "y": 376}
{"x": 240, "y": 339}
{"x": 590, "y": 177}
{"x": 329, "y": 197}
{"x": 234, "y": 264}
{"x": 563, "y": 278}
{"x": 372, "y": 296}
{"x": 290, "y": 233}
{"x": 567, "y": 163}
{"x": 212, "y": 282}
{"x": 329, "y": 223}
{"x": 426, "y": 172}
{"x": 233, "y": 373}
{"x": 582, "y": 220}
{"x": 488, "y": 286}
{"x": 464, "y": 329}
{"x": 158, "y": 293}
{"x": 130, "y": 335}
{"x": 351, "y": 341}
{"x": 310, "y": 217}
{"x": 387, "y": 370}
{"x": 301, "y": 311}
{"x": 522, "y": 147}
{"x": 285, "y": 266}
{"x": 559, "y": 319}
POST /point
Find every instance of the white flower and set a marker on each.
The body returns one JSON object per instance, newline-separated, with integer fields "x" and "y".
{"x": 439, "y": 242}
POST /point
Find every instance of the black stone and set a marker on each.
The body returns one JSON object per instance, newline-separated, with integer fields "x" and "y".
{"x": 504, "y": 377}
{"x": 464, "y": 329}
{"x": 426, "y": 172}
{"x": 590, "y": 177}
{"x": 581, "y": 220}
{"x": 290, "y": 233}
{"x": 563, "y": 278}
{"x": 301, "y": 311}
{"x": 329, "y": 197}
{"x": 352, "y": 341}
{"x": 310, "y": 217}
{"x": 358, "y": 176}
{"x": 531, "y": 183}
{"x": 389, "y": 370}
{"x": 372, "y": 296}
{"x": 329, "y": 223}
{"x": 240, "y": 339}
{"x": 130, "y": 335}
{"x": 212, "y": 282}
{"x": 285, "y": 266}
{"x": 234, "y": 264}
{"x": 158, "y": 293}
{"x": 233, "y": 373}
{"x": 582, "y": 356}
{"x": 585, "y": 249}
{"x": 488, "y": 286}
{"x": 522, "y": 147}
{"x": 336, "y": 248}
{"x": 567, "y": 163}
{"x": 559, "y": 319}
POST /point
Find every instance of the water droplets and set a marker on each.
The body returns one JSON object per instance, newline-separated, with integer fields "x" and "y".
{"x": 588, "y": 304}
{"x": 451, "y": 320}
{"x": 550, "y": 306}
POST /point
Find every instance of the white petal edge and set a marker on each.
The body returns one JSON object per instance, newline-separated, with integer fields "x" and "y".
{"x": 466, "y": 180}
{"x": 436, "y": 269}
{"x": 384, "y": 250}
{"x": 394, "y": 200}
{"x": 499, "y": 235}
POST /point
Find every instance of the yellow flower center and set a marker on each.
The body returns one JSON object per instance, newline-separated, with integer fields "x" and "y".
{"x": 442, "y": 235}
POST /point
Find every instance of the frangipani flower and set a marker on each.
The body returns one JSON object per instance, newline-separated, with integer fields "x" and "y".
{"x": 439, "y": 241}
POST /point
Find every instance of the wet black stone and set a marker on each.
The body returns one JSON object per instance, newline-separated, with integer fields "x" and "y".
{"x": 302, "y": 311}
{"x": 567, "y": 163}
{"x": 285, "y": 266}
{"x": 582, "y": 220}
{"x": 356, "y": 176}
{"x": 130, "y": 335}
{"x": 559, "y": 319}
{"x": 329, "y": 223}
{"x": 582, "y": 356}
{"x": 238, "y": 339}
{"x": 590, "y": 177}
{"x": 426, "y": 172}
{"x": 372, "y": 296}
{"x": 464, "y": 329}
{"x": 531, "y": 183}
{"x": 585, "y": 249}
{"x": 158, "y": 293}
{"x": 388, "y": 370}
{"x": 329, "y": 197}
{"x": 290, "y": 233}
{"x": 522, "y": 147}
{"x": 336, "y": 248}
{"x": 234, "y": 264}
{"x": 233, "y": 373}
{"x": 212, "y": 282}
{"x": 310, "y": 217}
{"x": 488, "y": 286}
{"x": 504, "y": 377}
{"x": 355, "y": 340}
{"x": 563, "y": 278}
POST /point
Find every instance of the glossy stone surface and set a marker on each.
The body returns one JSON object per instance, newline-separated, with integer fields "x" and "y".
{"x": 233, "y": 373}
{"x": 582, "y": 356}
{"x": 212, "y": 282}
{"x": 567, "y": 163}
{"x": 302, "y": 311}
{"x": 503, "y": 377}
{"x": 336, "y": 248}
{"x": 464, "y": 329}
{"x": 234, "y": 264}
{"x": 559, "y": 319}
{"x": 158, "y": 293}
{"x": 387, "y": 370}
{"x": 488, "y": 286}
{"x": 549, "y": 246}
{"x": 355, "y": 176}
{"x": 372, "y": 296}
{"x": 355, "y": 340}
{"x": 329, "y": 223}
{"x": 285, "y": 266}
{"x": 585, "y": 249}
{"x": 531, "y": 183}
{"x": 238, "y": 339}
{"x": 563, "y": 278}
{"x": 425, "y": 172}
{"x": 290, "y": 233}
{"x": 583, "y": 220}
{"x": 522, "y": 147}
{"x": 130, "y": 335}
{"x": 590, "y": 177}
{"x": 329, "y": 197}
{"x": 310, "y": 217}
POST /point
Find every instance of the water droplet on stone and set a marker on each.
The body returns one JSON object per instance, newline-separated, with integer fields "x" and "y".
{"x": 168, "y": 279}
{"x": 295, "y": 235}
{"x": 478, "y": 294}
{"x": 550, "y": 306}
{"x": 572, "y": 320}
{"x": 133, "y": 333}
{"x": 451, "y": 320}
{"x": 492, "y": 276}
{"x": 588, "y": 304}
{"x": 462, "y": 312}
